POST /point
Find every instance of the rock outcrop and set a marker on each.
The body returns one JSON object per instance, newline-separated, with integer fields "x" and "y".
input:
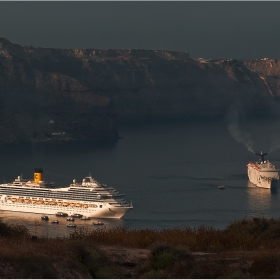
{"x": 79, "y": 94}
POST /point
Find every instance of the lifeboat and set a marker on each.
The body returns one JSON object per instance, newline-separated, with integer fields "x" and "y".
{"x": 14, "y": 199}
{"x": 61, "y": 214}
{"x": 94, "y": 205}
{"x": 77, "y": 215}
{"x": 64, "y": 204}
{"x": 27, "y": 200}
{"x": 46, "y": 202}
{"x": 52, "y": 203}
{"x": 20, "y": 200}
{"x": 59, "y": 203}
{"x": 34, "y": 201}
{"x": 72, "y": 204}
{"x": 85, "y": 206}
{"x": 40, "y": 201}
{"x": 78, "y": 204}
{"x": 85, "y": 218}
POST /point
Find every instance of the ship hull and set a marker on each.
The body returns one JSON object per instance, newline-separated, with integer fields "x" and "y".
{"x": 88, "y": 198}
{"x": 262, "y": 179}
{"x": 107, "y": 211}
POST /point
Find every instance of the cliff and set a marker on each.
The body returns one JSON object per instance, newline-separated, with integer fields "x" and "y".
{"x": 79, "y": 94}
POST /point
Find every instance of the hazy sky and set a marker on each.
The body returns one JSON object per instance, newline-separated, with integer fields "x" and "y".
{"x": 204, "y": 29}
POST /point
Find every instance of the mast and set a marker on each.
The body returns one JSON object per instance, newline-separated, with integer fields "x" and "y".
{"x": 261, "y": 155}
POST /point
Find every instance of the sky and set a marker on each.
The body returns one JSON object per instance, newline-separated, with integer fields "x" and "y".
{"x": 222, "y": 29}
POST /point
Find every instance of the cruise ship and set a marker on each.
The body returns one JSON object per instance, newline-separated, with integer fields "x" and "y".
{"x": 263, "y": 173}
{"x": 88, "y": 198}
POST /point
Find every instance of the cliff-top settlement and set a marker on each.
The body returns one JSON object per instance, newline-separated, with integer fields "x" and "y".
{"x": 79, "y": 94}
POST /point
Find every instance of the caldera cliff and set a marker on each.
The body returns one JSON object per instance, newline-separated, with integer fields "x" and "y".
{"x": 80, "y": 94}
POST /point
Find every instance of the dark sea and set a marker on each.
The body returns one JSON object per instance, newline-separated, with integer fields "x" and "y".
{"x": 170, "y": 172}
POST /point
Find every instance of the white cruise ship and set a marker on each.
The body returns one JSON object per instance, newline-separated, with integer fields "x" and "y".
{"x": 263, "y": 174}
{"x": 88, "y": 198}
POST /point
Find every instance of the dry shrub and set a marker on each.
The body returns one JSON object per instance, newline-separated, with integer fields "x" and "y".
{"x": 98, "y": 266}
{"x": 13, "y": 230}
{"x": 143, "y": 238}
{"x": 239, "y": 235}
{"x": 264, "y": 266}
{"x": 170, "y": 250}
{"x": 176, "y": 262}
{"x": 262, "y": 228}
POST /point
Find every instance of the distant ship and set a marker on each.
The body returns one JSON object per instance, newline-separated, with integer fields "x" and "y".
{"x": 88, "y": 198}
{"x": 263, "y": 173}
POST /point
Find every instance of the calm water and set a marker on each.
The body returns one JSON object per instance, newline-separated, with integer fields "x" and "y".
{"x": 170, "y": 172}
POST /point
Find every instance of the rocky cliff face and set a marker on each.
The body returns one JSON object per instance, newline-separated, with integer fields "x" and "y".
{"x": 269, "y": 72}
{"x": 77, "y": 94}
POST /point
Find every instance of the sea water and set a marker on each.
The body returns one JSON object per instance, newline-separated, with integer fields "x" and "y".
{"x": 170, "y": 172}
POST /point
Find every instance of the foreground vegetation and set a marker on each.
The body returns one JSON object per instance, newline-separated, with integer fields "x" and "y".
{"x": 248, "y": 248}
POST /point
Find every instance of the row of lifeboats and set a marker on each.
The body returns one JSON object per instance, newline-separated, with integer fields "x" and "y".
{"x": 51, "y": 202}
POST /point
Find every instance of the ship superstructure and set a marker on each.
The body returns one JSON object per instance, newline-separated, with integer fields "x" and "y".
{"x": 263, "y": 173}
{"x": 88, "y": 198}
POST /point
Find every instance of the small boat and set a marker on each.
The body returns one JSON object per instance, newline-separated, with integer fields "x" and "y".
{"x": 70, "y": 219}
{"x": 55, "y": 222}
{"x": 45, "y": 218}
{"x": 221, "y": 187}
{"x": 85, "y": 218}
{"x": 98, "y": 223}
{"x": 61, "y": 214}
{"x": 77, "y": 215}
{"x": 71, "y": 225}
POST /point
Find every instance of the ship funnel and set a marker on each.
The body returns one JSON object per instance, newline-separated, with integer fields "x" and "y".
{"x": 38, "y": 174}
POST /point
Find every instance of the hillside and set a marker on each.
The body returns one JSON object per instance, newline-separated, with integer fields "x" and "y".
{"x": 245, "y": 249}
{"x": 81, "y": 94}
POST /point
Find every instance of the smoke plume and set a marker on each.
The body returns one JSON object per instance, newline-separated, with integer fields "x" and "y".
{"x": 235, "y": 131}
{"x": 275, "y": 145}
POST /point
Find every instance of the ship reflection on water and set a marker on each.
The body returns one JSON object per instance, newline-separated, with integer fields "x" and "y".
{"x": 260, "y": 199}
{"x": 45, "y": 228}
